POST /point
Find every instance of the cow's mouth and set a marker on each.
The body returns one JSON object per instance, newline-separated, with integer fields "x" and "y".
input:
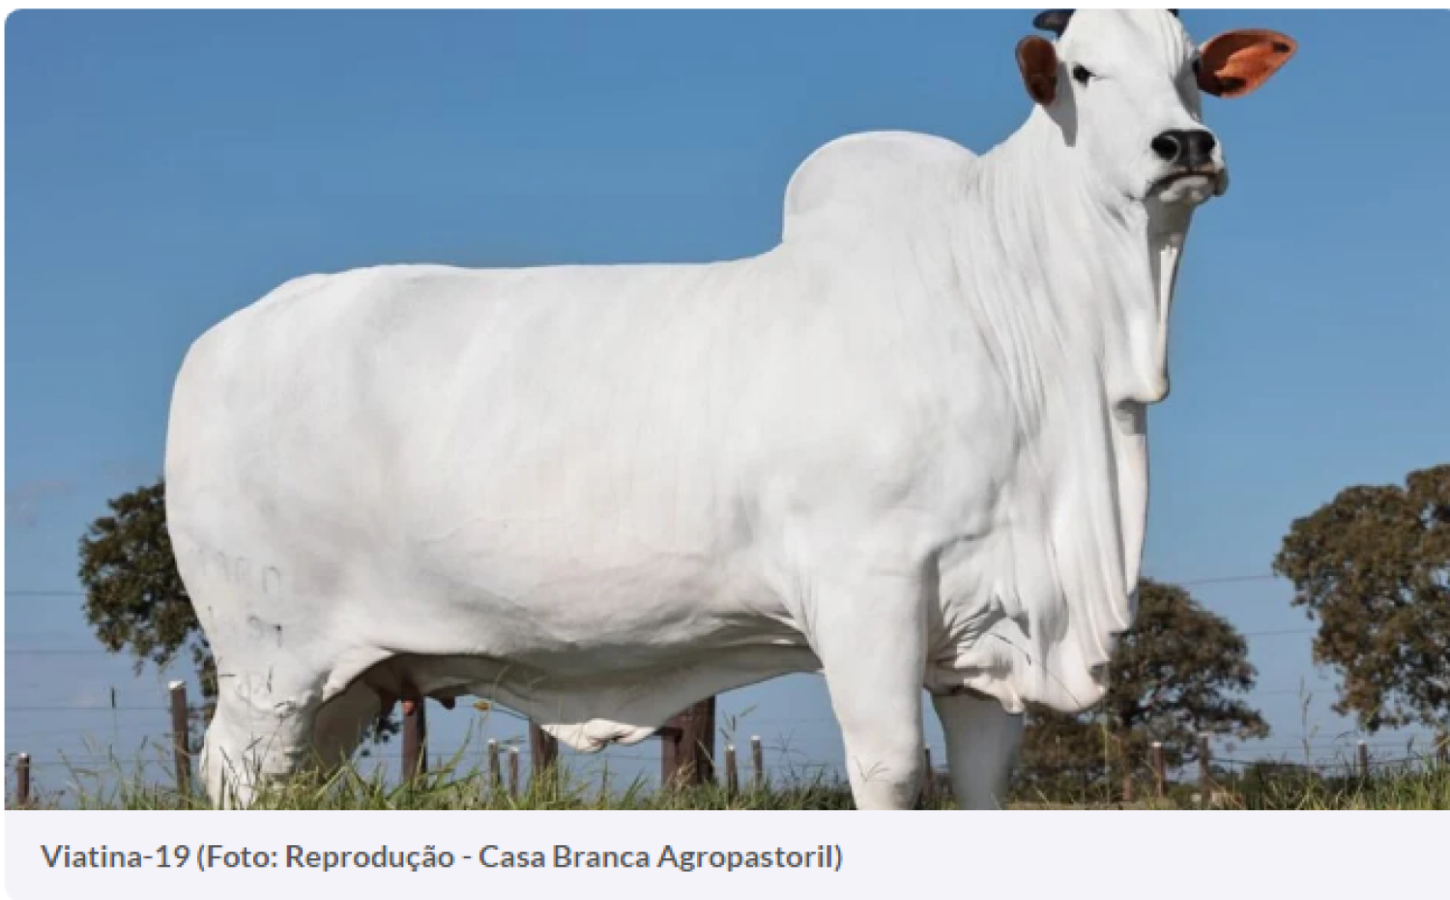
{"x": 1192, "y": 186}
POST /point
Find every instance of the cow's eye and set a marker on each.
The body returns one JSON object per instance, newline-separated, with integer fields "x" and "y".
{"x": 1082, "y": 75}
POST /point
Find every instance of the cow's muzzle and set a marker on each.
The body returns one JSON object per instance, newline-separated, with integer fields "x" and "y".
{"x": 1185, "y": 148}
{"x": 1194, "y": 174}
{"x": 1191, "y": 185}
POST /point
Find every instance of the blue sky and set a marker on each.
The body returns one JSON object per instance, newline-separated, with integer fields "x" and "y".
{"x": 165, "y": 169}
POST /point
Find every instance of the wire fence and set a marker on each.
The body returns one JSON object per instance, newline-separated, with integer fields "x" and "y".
{"x": 129, "y": 739}
{"x": 1321, "y": 762}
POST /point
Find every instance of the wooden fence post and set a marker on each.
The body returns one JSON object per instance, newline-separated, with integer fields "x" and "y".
{"x": 1363, "y": 761}
{"x": 732, "y": 776}
{"x": 543, "y": 752}
{"x": 757, "y": 762}
{"x": 415, "y": 738}
{"x": 928, "y": 781}
{"x": 1442, "y": 752}
{"x": 513, "y": 771}
{"x": 687, "y": 756}
{"x": 495, "y": 768}
{"x": 22, "y": 780}
{"x": 1205, "y": 768}
{"x": 1160, "y": 777}
{"x": 180, "y": 747}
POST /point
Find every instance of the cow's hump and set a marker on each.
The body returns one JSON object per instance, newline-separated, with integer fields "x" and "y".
{"x": 866, "y": 180}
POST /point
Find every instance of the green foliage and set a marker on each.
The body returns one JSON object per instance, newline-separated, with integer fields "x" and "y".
{"x": 1373, "y": 566}
{"x": 1173, "y": 676}
{"x": 1063, "y": 756}
{"x": 135, "y": 598}
{"x": 134, "y": 595}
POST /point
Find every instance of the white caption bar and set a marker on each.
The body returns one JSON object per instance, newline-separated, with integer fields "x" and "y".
{"x": 369, "y": 854}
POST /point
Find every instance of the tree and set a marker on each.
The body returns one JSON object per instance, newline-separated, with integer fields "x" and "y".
{"x": 1063, "y": 755}
{"x": 1373, "y": 566}
{"x": 135, "y": 597}
{"x": 1172, "y": 677}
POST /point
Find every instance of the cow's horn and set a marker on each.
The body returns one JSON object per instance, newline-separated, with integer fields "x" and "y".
{"x": 1054, "y": 20}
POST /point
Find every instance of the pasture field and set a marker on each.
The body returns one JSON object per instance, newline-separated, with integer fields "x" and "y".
{"x": 453, "y": 788}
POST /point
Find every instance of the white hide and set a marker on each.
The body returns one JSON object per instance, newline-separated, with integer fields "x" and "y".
{"x": 905, "y": 448}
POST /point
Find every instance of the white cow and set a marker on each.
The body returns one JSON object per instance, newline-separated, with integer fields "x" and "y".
{"x": 904, "y": 448}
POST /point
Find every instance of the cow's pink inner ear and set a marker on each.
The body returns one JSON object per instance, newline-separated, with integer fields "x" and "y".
{"x": 1038, "y": 62}
{"x": 1238, "y": 62}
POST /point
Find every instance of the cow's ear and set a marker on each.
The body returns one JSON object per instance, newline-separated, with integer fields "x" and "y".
{"x": 1237, "y": 62}
{"x": 1038, "y": 62}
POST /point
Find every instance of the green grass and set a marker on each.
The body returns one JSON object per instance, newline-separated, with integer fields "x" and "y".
{"x": 1423, "y": 789}
{"x": 1419, "y": 790}
{"x": 454, "y": 787}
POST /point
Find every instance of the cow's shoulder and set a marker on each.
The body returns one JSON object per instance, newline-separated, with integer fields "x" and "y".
{"x": 866, "y": 180}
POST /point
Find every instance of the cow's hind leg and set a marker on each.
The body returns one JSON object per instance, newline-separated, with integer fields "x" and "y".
{"x": 263, "y": 730}
{"x": 982, "y": 741}
{"x": 870, "y": 637}
{"x": 343, "y": 722}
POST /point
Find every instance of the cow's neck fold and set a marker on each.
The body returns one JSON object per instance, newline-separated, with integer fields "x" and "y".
{"x": 1100, "y": 266}
{"x": 1087, "y": 279}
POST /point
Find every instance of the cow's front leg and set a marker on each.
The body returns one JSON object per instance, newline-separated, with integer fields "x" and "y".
{"x": 982, "y": 741}
{"x": 870, "y": 637}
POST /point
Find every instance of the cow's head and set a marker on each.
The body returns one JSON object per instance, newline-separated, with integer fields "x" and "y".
{"x": 1125, "y": 88}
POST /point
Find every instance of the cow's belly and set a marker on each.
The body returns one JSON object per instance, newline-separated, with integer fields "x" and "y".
{"x": 606, "y": 704}
{"x": 601, "y": 633}
{"x": 574, "y": 597}
{"x": 566, "y": 593}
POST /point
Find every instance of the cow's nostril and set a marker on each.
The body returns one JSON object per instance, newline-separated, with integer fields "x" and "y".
{"x": 1192, "y": 149}
{"x": 1166, "y": 146}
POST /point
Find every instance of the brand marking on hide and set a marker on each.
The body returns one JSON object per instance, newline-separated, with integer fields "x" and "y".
{"x": 239, "y": 571}
{"x": 261, "y": 631}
